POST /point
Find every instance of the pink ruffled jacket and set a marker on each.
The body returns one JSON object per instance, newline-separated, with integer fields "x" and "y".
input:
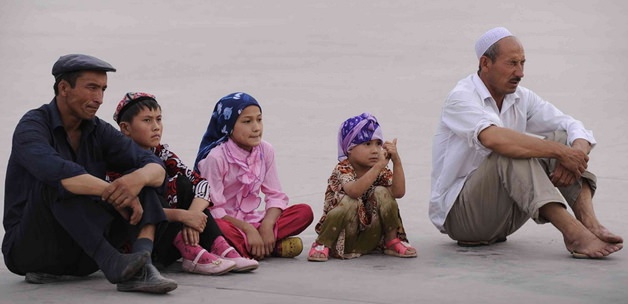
{"x": 236, "y": 177}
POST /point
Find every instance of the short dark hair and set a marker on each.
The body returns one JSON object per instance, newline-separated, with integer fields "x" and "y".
{"x": 70, "y": 77}
{"x": 492, "y": 52}
{"x": 134, "y": 108}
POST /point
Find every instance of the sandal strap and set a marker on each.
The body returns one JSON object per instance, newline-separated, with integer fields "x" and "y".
{"x": 393, "y": 242}
{"x": 224, "y": 253}
{"x": 198, "y": 256}
{"x": 319, "y": 247}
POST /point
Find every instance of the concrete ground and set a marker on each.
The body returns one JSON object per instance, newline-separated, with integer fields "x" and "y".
{"x": 311, "y": 65}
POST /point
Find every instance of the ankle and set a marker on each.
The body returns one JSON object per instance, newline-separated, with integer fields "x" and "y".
{"x": 143, "y": 245}
{"x": 220, "y": 247}
{"x": 188, "y": 252}
{"x": 589, "y": 221}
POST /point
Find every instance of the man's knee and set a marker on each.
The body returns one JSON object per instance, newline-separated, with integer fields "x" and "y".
{"x": 559, "y": 136}
{"x": 152, "y": 204}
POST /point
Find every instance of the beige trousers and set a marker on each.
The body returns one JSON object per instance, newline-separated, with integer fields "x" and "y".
{"x": 503, "y": 193}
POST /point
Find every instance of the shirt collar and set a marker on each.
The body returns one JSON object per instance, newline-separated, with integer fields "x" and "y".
{"x": 509, "y": 99}
{"x": 237, "y": 152}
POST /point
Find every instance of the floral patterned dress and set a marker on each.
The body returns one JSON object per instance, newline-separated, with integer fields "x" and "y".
{"x": 367, "y": 208}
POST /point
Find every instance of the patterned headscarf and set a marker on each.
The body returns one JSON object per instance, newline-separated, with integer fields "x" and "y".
{"x": 130, "y": 99}
{"x": 356, "y": 130}
{"x": 224, "y": 117}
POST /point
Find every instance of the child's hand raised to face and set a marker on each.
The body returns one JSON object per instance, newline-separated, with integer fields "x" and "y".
{"x": 391, "y": 149}
{"x": 383, "y": 160}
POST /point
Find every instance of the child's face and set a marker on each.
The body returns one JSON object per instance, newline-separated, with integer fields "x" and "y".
{"x": 145, "y": 128}
{"x": 247, "y": 131}
{"x": 366, "y": 154}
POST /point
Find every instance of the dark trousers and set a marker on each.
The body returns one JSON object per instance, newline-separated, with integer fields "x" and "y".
{"x": 165, "y": 253}
{"x": 61, "y": 235}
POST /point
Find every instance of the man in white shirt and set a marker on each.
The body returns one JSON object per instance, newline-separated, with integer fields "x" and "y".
{"x": 489, "y": 177}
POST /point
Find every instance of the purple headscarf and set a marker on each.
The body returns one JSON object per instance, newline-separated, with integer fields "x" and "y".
{"x": 356, "y": 130}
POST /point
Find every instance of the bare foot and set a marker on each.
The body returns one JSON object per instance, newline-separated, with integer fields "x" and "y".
{"x": 587, "y": 243}
{"x": 605, "y": 235}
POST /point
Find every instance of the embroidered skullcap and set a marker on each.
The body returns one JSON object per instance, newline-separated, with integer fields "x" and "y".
{"x": 79, "y": 62}
{"x": 489, "y": 38}
{"x": 356, "y": 130}
{"x": 127, "y": 101}
{"x": 222, "y": 121}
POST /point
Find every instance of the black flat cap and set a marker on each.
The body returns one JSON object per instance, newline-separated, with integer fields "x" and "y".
{"x": 79, "y": 62}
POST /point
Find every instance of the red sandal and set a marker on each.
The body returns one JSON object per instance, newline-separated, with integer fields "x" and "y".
{"x": 398, "y": 248}
{"x": 318, "y": 248}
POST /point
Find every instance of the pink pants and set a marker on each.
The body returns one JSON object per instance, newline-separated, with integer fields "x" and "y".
{"x": 292, "y": 221}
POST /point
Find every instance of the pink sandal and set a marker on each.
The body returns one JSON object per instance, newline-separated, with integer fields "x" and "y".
{"x": 318, "y": 248}
{"x": 398, "y": 248}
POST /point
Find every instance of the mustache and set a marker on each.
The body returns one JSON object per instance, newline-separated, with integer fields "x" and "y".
{"x": 516, "y": 79}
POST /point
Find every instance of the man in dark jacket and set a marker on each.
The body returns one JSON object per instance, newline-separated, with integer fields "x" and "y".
{"x": 62, "y": 219}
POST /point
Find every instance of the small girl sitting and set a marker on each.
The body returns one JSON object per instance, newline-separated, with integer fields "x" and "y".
{"x": 190, "y": 232}
{"x": 239, "y": 165}
{"x": 360, "y": 213}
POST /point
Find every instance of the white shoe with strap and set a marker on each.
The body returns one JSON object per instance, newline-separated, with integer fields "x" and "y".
{"x": 216, "y": 266}
{"x": 242, "y": 264}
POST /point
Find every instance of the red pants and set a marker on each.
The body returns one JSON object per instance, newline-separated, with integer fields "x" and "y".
{"x": 292, "y": 221}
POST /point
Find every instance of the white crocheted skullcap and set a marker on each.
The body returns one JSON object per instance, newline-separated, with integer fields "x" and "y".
{"x": 489, "y": 38}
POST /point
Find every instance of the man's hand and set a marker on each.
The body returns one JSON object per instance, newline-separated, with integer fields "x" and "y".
{"x": 574, "y": 161}
{"x": 131, "y": 212}
{"x": 562, "y": 177}
{"x": 122, "y": 191}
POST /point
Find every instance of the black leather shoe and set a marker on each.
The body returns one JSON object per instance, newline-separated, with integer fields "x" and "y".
{"x": 148, "y": 279}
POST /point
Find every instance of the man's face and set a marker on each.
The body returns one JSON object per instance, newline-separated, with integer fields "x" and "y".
{"x": 85, "y": 98}
{"x": 503, "y": 76}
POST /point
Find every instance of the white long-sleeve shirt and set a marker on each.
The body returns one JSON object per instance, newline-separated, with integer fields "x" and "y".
{"x": 469, "y": 109}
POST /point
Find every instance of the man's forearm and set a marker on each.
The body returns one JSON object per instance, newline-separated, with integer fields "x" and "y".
{"x": 84, "y": 184}
{"x": 514, "y": 144}
{"x": 152, "y": 175}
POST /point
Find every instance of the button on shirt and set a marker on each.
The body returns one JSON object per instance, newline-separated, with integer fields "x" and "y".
{"x": 469, "y": 109}
{"x": 42, "y": 156}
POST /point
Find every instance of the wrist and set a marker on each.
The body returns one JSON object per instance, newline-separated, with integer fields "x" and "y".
{"x": 582, "y": 145}
{"x": 267, "y": 225}
{"x": 249, "y": 228}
